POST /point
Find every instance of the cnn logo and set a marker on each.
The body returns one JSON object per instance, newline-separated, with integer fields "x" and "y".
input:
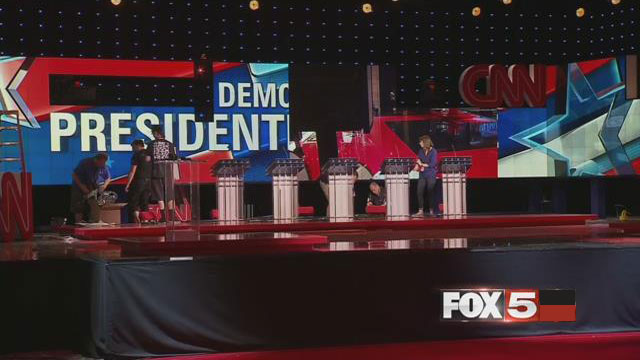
{"x": 514, "y": 86}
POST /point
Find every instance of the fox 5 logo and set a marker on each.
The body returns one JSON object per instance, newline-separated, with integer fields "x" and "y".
{"x": 490, "y": 305}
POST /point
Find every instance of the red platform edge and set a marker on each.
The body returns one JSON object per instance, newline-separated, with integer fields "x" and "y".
{"x": 610, "y": 346}
{"x": 629, "y": 226}
{"x": 132, "y": 246}
{"x": 373, "y": 224}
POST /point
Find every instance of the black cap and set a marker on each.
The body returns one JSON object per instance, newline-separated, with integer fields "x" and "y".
{"x": 137, "y": 142}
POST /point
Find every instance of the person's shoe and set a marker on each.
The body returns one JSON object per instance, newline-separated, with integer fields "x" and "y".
{"x": 420, "y": 213}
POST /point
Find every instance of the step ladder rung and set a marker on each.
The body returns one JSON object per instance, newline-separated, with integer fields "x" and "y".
{"x": 9, "y": 127}
{"x": 9, "y": 143}
{"x": 9, "y": 159}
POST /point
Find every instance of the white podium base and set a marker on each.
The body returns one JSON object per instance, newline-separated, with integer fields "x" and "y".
{"x": 397, "y": 187}
{"x": 230, "y": 198}
{"x": 340, "y": 197}
{"x": 285, "y": 197}
{"x": 454, "y": 194}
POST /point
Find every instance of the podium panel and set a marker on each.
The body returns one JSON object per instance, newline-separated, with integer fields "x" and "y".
{"x": 230, "y": 188}
{"x": 341, "y": 173}
{"x": 285, "y": 187}
{"x": 454, "y": 185}
{"x": 396, "y": 182}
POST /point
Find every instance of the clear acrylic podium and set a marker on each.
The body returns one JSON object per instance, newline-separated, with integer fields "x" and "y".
{"x": 396, "y": 181}
{"x": 342, "y": 175}
{"x": 182, "y": 199}
{"x": 454, "y": 184}
{"x": 285, "y": 187}
{"x": 230, "y": 188}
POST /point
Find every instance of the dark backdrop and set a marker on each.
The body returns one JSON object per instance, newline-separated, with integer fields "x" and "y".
{"x": 326, "y": 99}
{"x": 425, "y": 40}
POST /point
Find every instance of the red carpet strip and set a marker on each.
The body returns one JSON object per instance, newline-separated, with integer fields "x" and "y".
{"x": 611, "y": 346}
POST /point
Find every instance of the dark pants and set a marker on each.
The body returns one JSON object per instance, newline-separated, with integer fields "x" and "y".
{"x": 430, "y": 184}
{"x": 81, "y": 205}
{"x": 139, "y": 196}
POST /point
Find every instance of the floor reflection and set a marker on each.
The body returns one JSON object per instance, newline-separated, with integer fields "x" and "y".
{"x": 43, "y": 247}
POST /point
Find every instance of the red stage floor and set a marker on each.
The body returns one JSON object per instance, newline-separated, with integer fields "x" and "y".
{"x": 210, "y": 227}
{"x": 56, "y": 247}
{"x": 613, "y": 346}
{"x": 631, "y": 226}
{"x": 358, "y": 240}
{"x": 217, "y": 244}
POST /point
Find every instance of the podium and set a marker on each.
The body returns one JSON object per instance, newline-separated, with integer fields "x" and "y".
{"x": 182, "y": 199}
{"x": 396, "y": 182}
{"x": 230, "y": 188}
{"x": 342, "y": 175}
{"x": 285, "y": 187}
{"x": 454, "y": 184}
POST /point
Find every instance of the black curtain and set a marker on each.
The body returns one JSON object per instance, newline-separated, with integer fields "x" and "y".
{"x": 240, "y": 303}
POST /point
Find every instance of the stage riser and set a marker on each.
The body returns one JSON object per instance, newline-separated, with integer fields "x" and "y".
{"x": 374, "y": 224}
{"x": 239, "y": 303}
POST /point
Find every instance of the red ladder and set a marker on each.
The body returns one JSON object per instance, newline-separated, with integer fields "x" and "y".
{"x": 11, "y": 138}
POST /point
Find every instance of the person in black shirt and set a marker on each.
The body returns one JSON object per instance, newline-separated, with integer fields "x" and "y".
{"x": 139, "y": 181}
{"x": 377, "y": 196}
{"x": 160, "y": 149}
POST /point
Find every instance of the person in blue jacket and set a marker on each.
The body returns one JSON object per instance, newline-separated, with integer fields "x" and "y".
{"x": 427, "y": 167}
{"x": 90, "y": 174}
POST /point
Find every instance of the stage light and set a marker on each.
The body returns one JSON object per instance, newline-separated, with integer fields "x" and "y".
{"x": 116, "y": 2}
{"x": 580, "y": 12}
{"x": 254, "y": 5}
{"x": 476, "y": 11}
{"x": 367, "y": 8}
{"x": 616, "y": 2}
{"x": 506, "y": 2}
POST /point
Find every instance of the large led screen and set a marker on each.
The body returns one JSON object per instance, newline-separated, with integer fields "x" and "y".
{"x": 588, "y": 128}
{"x": 65, "y": 120}
{"x": 74, "y": 108}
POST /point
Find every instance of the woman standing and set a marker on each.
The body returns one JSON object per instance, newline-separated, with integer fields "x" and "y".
{"x": 427, "y": 166}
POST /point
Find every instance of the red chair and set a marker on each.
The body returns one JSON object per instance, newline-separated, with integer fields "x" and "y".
{"x": 147, "y": 216}
{"x": 376, "y": 209}
{"x": 306, "y": 211}
{"x": 214, "y": 214}
{"x": 153, "y": 214}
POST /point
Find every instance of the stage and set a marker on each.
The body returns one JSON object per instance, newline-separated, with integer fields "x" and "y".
{"x": 367, "y": 293}
{"x": 344, "y": 286}
{"x": 323, "y": 224}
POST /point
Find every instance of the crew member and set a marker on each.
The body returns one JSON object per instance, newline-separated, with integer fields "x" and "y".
{"x": 377, "y": 196}
{"x": 427, "y": 167}
{"x": 90, "y": 178}
{"x": 139, "y": 181}
{"x": 160, "y": 149}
